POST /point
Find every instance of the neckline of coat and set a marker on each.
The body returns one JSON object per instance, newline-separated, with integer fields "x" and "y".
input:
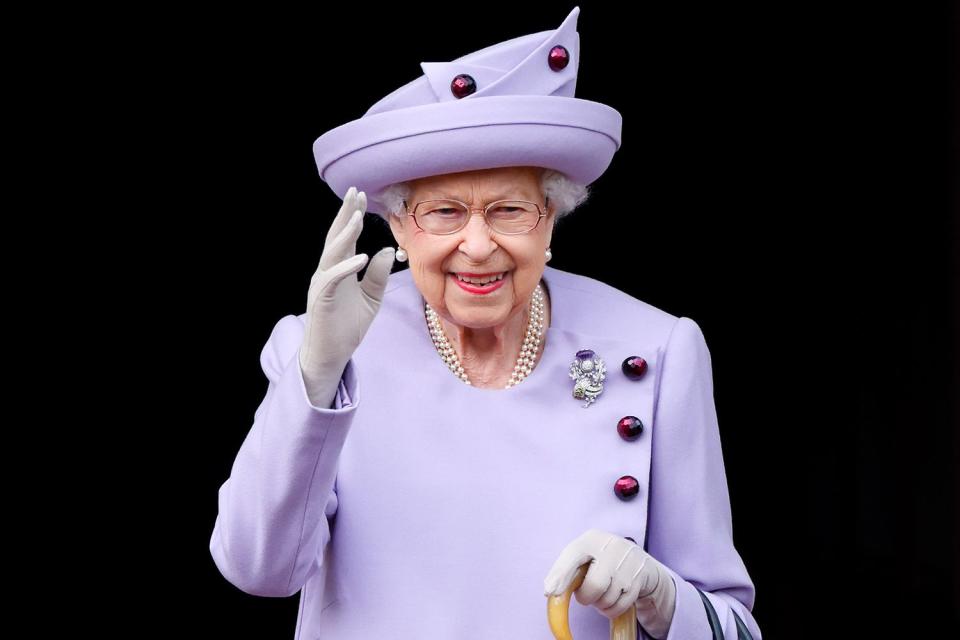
{"x": 551, "y": 277}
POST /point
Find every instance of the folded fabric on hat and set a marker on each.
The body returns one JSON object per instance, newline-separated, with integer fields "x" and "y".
{"x": 509, "y": 104}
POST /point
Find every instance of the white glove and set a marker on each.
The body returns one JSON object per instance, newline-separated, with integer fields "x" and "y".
{"x": 339, "y": 308}
{"x": 620, "y": 574}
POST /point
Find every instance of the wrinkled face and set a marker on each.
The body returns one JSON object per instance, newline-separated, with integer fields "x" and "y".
{"x": 435, "y": 260}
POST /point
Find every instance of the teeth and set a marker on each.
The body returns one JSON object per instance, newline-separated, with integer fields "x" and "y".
{"x": 481, "y": 280}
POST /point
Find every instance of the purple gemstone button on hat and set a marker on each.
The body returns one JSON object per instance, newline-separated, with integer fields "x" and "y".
{"x": 463, "y": 85}
{"x": 558, "y": 58}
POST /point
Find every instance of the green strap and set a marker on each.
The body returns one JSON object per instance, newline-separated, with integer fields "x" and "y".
{"x": 711, "y": 616}
{"x": 742, "y": 632}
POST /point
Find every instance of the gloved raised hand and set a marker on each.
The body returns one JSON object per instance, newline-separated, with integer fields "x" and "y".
{"x": 620, "y": 574}
{"x": 339, "y": 308}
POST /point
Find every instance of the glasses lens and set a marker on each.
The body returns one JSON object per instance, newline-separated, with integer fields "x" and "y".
{"x": 513, "y": 216}
{"x": 440, "y": 216}
{"x": 505, "y": 216}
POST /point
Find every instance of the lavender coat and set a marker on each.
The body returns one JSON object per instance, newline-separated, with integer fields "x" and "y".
{"x": 419, "y": 507}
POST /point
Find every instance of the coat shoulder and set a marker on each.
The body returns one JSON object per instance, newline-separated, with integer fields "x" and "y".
{"x": 592, "y": 306}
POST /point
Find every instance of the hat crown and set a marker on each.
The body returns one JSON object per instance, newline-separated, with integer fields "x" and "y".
{"x": 519, "y": 66}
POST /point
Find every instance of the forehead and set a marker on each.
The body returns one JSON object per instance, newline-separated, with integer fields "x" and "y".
{"x": 487, "y": 183}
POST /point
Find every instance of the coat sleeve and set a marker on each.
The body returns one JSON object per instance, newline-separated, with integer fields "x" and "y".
{"x": 690, "y": 527}
{"x": 273, "y": 521}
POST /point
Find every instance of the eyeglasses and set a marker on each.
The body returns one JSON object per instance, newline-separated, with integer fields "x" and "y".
{"x": 509, "y": 217}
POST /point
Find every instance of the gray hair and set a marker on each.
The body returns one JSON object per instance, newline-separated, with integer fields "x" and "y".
{"x": 564, "y": 194}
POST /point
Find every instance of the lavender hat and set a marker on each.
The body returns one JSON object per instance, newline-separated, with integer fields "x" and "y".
{"x": 509, "y": 104}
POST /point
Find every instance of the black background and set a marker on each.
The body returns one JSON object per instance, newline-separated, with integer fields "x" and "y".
{"x": 787, "y": 179}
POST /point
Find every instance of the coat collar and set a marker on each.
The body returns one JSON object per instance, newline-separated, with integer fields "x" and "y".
{"x": 579, "y": 311}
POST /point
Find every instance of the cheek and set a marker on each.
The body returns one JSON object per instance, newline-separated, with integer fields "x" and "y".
{"x": 528, "y": 264}
{"x": 530, "y": 255}
{"x": 524, "y": 281}
{"x": 428, "y": 261}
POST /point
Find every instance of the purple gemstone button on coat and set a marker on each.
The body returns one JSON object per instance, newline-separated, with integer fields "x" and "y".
{"x": 629, "y": 427}
{"x": 634, "y": 367}
{"x": 626, "y": 487}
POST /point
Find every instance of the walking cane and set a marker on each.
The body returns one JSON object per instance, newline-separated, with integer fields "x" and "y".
{"x": 623, "y": 627}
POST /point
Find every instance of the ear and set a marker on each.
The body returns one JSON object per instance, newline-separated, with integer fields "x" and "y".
{"x": 398, "y": 227}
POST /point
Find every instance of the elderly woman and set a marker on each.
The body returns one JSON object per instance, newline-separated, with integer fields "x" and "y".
{"x": 441, "y": 447}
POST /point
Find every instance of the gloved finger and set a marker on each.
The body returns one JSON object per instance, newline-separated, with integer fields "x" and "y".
{"x": 622, "y": 561}
{"x": 362, "y": 201}
{"x": 344, "y": 246}
{"x": 620, "y": 604}
{"x": 565, "y": 568}
{"x": 359, "y": 204}
{"x": 375, "y": 279}
{"x": 595, "y": 584}
{"x": 620, "y": 584}
{"x": 336, "y": 274}
{"x": 640, "y": 586}
{"x": 573, "y": 555}
{"x": 347, "y": 207}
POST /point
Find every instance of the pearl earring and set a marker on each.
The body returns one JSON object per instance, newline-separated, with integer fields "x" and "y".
{"x": 401, "y": 255}
{"x": 548, "y": 254}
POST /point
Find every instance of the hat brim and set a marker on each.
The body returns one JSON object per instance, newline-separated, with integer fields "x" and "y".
{"x": 574, "y": 136}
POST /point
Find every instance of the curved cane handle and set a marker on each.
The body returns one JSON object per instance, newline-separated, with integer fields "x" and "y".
{"x": 623, "y": 627}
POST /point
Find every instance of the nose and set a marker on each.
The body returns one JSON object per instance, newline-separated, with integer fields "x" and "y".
{"x": 477, "y": 238}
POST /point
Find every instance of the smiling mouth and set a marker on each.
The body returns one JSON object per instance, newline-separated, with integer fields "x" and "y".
{"x": 479, "y": 280}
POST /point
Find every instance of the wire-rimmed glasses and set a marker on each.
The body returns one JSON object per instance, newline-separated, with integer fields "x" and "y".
{"x": 446, "y": 216}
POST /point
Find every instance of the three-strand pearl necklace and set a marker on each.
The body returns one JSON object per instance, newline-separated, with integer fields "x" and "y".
{"x": 528, "y": 352}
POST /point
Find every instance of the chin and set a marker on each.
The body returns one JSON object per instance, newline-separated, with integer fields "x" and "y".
{"x": 475, "y": 320}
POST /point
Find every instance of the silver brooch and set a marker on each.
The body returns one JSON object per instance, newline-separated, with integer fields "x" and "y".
{"x": 589, "y": 372}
